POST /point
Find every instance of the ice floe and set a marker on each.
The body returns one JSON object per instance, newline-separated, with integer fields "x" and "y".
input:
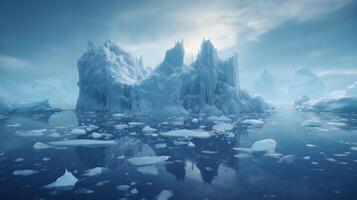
{"x": 311, "y": 123}
{"x": 66, "y": 181}
{"x": 40, "y": 145}
{"x": 222, "y": 128}
{"x": 186, "y": 133}
{"x": 31, "y": 133}
{"x": 165, "y": 195}
{"x": 151, "y": 170}
{"x": 121, "y": 126}
{"x": 78, "y": 131}
{"x": 123, "y": 187}
{"x": 148, "y": 129}
{"x": 95, "y": 171}
{"x": 83, "y": 142}
{"x": 147, "y": 160}
{"x": 253, "y": 122}
{"x": 24, "y": 172}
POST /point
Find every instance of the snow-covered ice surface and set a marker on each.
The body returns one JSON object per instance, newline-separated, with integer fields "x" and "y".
{"x": 112, "y": 80}
{"x": 250, "y": 155}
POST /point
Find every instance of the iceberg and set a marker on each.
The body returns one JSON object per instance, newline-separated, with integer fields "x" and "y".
{"x": 305, "y": 82}
{"x": 66, "y": 181}
{"x": 112, "y": 80}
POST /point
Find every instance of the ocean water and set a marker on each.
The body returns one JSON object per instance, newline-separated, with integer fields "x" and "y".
{"x": 315, "y": 157}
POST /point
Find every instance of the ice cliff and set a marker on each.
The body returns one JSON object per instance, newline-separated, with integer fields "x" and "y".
{"x": 112, "y": 80}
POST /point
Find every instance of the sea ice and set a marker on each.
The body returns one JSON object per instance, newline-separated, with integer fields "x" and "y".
{"x": 40, "y": 145}
{"x": 150, "y": 170}
{"x": 253, "y": 122}
{"x": 147, "y": 160}
{"x": 95, "y": 171}
{"x": 83, "y": 142}
{"x": 32, "y": 133}
{"x": 123, "y": 187}
{"x": 265, "y": 145}
{"x": 121, "y": 126}
{"x": 148, "y": 129}
{"x": 78, "y": 131}
{"x": 25, "y": 172}
{"x": 67, "y": 180}
{"x": 187, "y": 133}
{"x": 222, "y": 128}
{"x": 165, "y": 195}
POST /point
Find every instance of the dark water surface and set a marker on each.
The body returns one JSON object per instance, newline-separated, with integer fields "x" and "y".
{"x": 311, "y": 161}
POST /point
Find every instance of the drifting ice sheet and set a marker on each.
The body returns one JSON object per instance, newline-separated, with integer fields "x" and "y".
{"x": 187, "y": 133}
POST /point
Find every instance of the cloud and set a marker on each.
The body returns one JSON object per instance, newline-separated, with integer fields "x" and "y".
{"x": 343, "y": 72}
{"x": 10, "y": 63}
{"x": 228, "y": 24}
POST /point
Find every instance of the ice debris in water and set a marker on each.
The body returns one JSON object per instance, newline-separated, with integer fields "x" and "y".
{"x": 134, "y": 124}
{"x": 194, "y": 120}
{"x": 287, "y": 159}
{"x": 78, "y": 131}
{"x": 148, "y": 129}
{"x": 253, "y": 122}
{"x": 121, "y": 126}
{"x": 25, "y": 172}
{"x": 40, "y": 145}
{"x": 123, "y": 187}
{"x": 222, "y": 128}
{"x": 32, "y": 133}
{"x": 353, "y": 148}
{"x": 19, "y": 160}
{"x": 150, "y": 170}
{"x": 310, "y": 123}
{"x": 95, "y": 171}
{"x": 265, "y": 145}
{"x": 97, "y": 135}
{"x": 187, "y": 133}
{"x": 83, "y": 142}
{"x": 165, "y": 195}
{"x": 219, "y": 119}
{"x": 66, "y": 181}
{"x": 146, "y": 160}
{"x": 337, "y": 124}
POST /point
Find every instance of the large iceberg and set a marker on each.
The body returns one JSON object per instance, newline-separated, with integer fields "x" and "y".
{"x": 337, "y": 102}
{"x": 112, "y": 80}
{"x": 305, "y": 82}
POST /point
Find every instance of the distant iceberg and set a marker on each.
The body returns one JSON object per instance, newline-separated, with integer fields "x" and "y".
{"x": 337, "y": 102}
{"x": 112, "y": 80}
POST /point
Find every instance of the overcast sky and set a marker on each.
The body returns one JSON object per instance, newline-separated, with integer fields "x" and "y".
{"x": 44, "y": 39}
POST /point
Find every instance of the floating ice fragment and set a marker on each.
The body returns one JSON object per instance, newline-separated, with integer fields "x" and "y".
{"x": 331, "y": 159}
{"x": 219, "y": 119}
{"x": 40, "y": 145}
{"x": 123, "y": 187}
{"x": 165, "y": 195}
{"x": 84, "y": 191}
{"x": 253, "y": 122}
{"x": 13, "y": 125}
{"x": 66, "y": 181}
{"x": 95, "y": 171}
{"x": 121, "y": 126}
{"x": 194, "y": 120}
{"x": 190, "y": 144}
{"x": 160, "y": 145}
{"x": 78, "y": 131}
{"x": 134, "y": 191}
{"x": 264, "y": 145}
{"x": 310, "y": 145}
{"x": 97, "y": 135}
{"x": 310, "y": 123}
{"x": 187, "y": 133}
{"x": 55, "y": 134}
{"x": 46, "y": 159}
{"x": 134, "y": 124}
{"x": 146, "y": 160}
{"x": 148, "y": 129}
{"x": 151, "y": 170}
{"x": 83, "y": 142}
{"x": 102, "y": 183}
{"x": 306, "y": 157}
{"x": 25, "y": 172}
{"x": 242, "y": 155}
{"x": 222, "y": 128}
{"x": 32, "y": 133}
{"x": 19, "y": 160}
{"x": 287, "y": 158}
{"x": 337, "y": 124}
{"x": 353, "y": 148}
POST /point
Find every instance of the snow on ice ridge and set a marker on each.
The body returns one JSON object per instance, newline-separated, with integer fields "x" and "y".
{"x": 110, "y": 79}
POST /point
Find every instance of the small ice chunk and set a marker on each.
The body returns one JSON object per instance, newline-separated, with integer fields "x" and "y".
{"x": 119, "y": 115}
{"x": 306, "y": 157}
{"x": 19, "y": 159}
{"x": 353, "y": 148}
{"x": 264, "y": 145}
{"x": 337, "y": 124}
{"x": 123, "y": 187}
{"x": 83, "y": 142}
{"x": 314, "y": 163}
{"x": 135, "y": 124}
{"x": 190, "y": 144}
{"x": 331, "y": 159}
{"x": 310, "y": 123}
{"x": 95, "y": 171}
{"x": 151, "y": 170}
{"x": 84, "y": 191}
{"x": 147, "y": 160}
{"x": 24, "y": 172}
{"x": 78, "y": 131}
{"x": 219, "y": 119}
{"x": 194, "y": 120}
{"x": 242, "y": 155}
{"x": 97, "y": 135}
{"x": 40, "y": 145}
{"x": 121, "y": 126}
{"x": 102, "y": 183}
{"x": 55, "y": 134}
{"x": 310, "y": 145}
{"x": 222, "y": 128}
{"x": 287, "y": 159}
{"x": 67, "y": 180}
{"x": 46, "y": 159}
{"x": 134, "y": 191}
{"x": 165, "y": 195}
{"x": 32, "y": 133}
{"x": 187, "y": 133}
{"x": 148, "y": 129}
{"x": 160, "y": 145}
{"x": 253, "y": 122}
{"x": 13, "y": 125}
